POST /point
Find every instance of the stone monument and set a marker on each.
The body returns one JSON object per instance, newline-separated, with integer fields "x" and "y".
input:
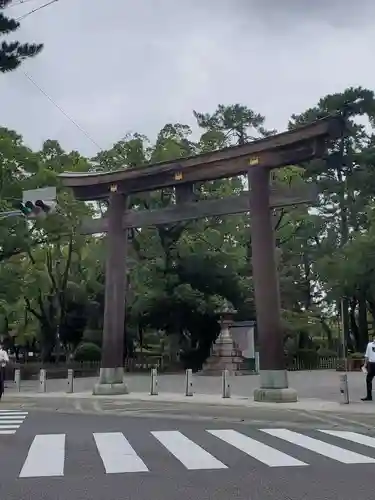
{"x": 225, "y": 355}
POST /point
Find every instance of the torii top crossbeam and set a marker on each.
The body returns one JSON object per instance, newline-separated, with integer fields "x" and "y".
{"x": 301, "y": 144}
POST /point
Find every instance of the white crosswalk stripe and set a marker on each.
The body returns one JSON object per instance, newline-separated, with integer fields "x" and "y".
{"x": 187, "y": 452}
{"x": 326, "y": 449}
{"x": 47, "y": 454}
{"x": 117, "y": 453}
{"x": 256, "y": 449}
{"x": 11, "y": 420}
{"x": 354, "y": 437}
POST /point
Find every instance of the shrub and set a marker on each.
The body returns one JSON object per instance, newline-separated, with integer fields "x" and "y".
{"x": 327, "y": 353}
{"x": 356, "y": 355}
{"x": 87, "y": 351}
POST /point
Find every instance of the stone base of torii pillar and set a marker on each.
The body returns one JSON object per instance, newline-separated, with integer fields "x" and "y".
{"x": 225, "y": 355}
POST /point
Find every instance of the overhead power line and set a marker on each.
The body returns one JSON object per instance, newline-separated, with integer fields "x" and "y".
{"x": 20, "y": 18}
{"x": 19, "y": 2}
{"x": 31, "y": 80}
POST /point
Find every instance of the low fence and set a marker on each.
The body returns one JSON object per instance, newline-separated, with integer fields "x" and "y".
{"x": 317, "y": 362}
{"x": 163, "y": 364}
{"x": 30, "y": 370}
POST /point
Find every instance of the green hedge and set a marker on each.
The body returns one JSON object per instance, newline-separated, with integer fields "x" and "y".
{"x": 30, "y": 371}
{"x": 88, "y": 351}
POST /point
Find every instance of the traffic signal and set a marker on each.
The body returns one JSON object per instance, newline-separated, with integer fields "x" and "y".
{"x": 38, "y": 203}
{"x": 38, "y": 208}
{"x": 46, "y": 206}
{"x": 26, "y": 208}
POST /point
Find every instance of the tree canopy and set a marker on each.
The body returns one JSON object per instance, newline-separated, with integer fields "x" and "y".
{"x": 52, "y": 278}
{"x": 12, "y": 53}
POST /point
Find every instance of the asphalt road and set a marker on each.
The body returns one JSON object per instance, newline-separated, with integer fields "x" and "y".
{"x": 196, "y": 412}
{"x": 114, "y": 456}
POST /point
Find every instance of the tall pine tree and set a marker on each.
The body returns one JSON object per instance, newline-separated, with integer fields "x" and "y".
{"x": 13, "y": 53}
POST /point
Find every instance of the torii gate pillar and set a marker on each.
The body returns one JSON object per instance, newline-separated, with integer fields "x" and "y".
{"x": 273, "y": 375}
{"x": 111, "y": 380}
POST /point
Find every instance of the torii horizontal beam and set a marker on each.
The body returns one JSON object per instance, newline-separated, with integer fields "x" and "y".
{"x": 280, "y": 197}
{"x": 288, "y": 148}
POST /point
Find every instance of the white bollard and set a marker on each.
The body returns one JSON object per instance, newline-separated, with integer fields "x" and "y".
{"x": 189, "y": 383}
{"x": 154, "y": 382}
{"x": 256, "y": 362}
{"x": 17, "y": 379}
{"x": 42, "y": 380}
{"x": 226, "y": 384}
{"x": 344, "y": 389}
{"x": 70, "y": 381}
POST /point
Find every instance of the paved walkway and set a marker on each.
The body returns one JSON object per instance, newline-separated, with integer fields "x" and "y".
{"x": 317, "y": 390}
{"x": 318, "y": 384}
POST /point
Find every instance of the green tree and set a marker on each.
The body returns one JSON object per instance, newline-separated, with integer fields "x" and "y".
{"x": 13, "y": 53}
{"x": 346, "y": 184}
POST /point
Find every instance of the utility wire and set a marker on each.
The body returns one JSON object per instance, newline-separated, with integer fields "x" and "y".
{"x": 31, "y": 80}
{"x": 20, "y": 18}
{"x": 20, "y": 2}
{"x": 62, "y": 111}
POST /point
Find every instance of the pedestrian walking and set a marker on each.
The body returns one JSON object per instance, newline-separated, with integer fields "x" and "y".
{"x": 4, "y": 359}
{"x": 370, "y": 368}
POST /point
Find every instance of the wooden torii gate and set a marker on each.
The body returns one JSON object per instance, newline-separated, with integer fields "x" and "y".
{"x": 255, "y": 160}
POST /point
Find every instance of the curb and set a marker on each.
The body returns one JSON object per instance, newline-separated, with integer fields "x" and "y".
{"x": 316, "y": 405}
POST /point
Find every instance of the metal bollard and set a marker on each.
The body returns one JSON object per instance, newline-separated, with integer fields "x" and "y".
{"x": 154, "y": 382}
{"x": 17, "y": 379}
{"x": 226, "y": 384}
{"x": 42, "y": 380}
{"x": 257, "y": 362}
{"x": 70, "y": 381}
{"x": 189, "y": 383}
{"x": 344, "y": 389}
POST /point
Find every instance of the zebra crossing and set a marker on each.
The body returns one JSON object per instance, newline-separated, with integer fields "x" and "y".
{"x": 11, "y": 420}
{"x": 48, "y": 454}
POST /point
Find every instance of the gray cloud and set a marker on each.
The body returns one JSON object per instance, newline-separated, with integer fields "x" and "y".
{"x": 137, "y": 64}
{"x": 344, "y": 13}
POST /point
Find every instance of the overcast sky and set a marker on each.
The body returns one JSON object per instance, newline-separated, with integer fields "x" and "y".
{"x": 133, "y": 65}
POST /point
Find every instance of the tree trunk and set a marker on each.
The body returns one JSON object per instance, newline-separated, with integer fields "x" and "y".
{"x": 353, "y": 324}
{"x": 362, "y": 321}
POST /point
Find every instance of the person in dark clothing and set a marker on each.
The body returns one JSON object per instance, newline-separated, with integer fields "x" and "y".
{"x": 4, "y": 359}
{"x": 370, "y": 367}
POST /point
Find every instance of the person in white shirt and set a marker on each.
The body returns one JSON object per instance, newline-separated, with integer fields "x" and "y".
{"x": 4, "y": 359}
{"x": 370, "y": 367}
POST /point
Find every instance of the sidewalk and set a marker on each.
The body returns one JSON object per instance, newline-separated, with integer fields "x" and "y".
{"x": 304, "y": 404}
{"x": 317, "y": 384}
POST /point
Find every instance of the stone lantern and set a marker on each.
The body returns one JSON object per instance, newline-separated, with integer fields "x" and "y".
{"x": 224, "y": 355}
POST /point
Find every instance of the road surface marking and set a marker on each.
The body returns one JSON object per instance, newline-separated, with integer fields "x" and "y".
{"x": 255, "y": 449}
{"x": 192, "y": 456}
{"x": 10, "y": 421}
{"x": 46, "y": 456}
{"x": 13, "y": 414}
{"x": 6, "y": 416}
{"x": 328, "y": 450}
{"x": 352, "y": 436}
{"x": 12, "y": 411}
{"x": 117, "y": 453}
